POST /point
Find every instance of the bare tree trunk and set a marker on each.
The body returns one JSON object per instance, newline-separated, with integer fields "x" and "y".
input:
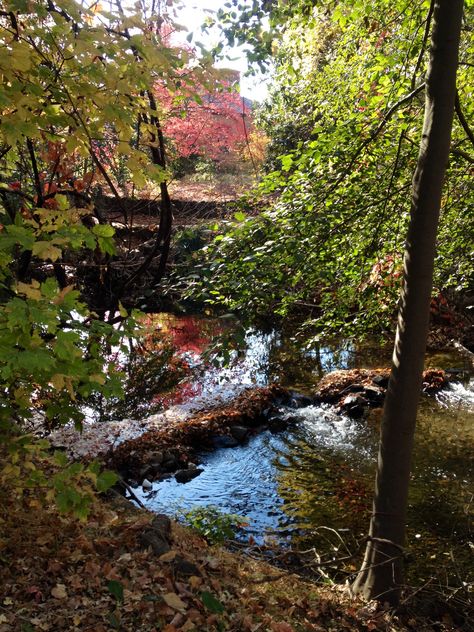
{"x": 381, "y": 574}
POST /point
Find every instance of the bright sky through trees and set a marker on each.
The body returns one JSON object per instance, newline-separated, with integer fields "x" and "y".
{"x": 192, "y": 16}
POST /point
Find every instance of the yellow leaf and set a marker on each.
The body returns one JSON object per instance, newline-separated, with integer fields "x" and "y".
{"x": 168, "y": 557}
{"x": 57, "y": 380}
{"x": 123, "y": 148}
{"x": 173, "y": 601}
{"x": 29, "y": 290}
{"x": 97, "y": 377}
{"x": 59, "y": 591}
{"x": 21, "y": 57}
{"x": 195, "y": 581}
{"x": 46, "y": 250}
{"x": 70, "y": 389}
{"x": 123, "y": 312}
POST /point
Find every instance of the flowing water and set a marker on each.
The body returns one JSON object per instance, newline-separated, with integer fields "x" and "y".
{"x": 311, "y": 486}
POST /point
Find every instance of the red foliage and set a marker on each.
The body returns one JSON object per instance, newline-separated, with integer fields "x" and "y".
{"x": 212, "y": 125}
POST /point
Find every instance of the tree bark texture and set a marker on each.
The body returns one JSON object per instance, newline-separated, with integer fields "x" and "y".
{"x": 381, "y": 574}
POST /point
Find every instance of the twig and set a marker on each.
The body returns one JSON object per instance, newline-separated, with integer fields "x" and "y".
{"x": 404, "y": 601}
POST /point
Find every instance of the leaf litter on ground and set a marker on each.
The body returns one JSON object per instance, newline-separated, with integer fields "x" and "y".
{"x": 59, "y": 574}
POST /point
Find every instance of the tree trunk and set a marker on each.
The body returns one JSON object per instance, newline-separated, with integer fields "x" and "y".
{"x": 381, "y": 574}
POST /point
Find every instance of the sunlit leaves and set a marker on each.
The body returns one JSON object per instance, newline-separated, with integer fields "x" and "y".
{"x": 343, "y": 146}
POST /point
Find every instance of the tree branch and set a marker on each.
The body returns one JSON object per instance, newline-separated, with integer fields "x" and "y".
{"x": 37, "y": 179}
{"x": 462, "y": 119}
{"x": 463, "y": 154}
{"x": 373, "y": 135}
{"x": 423, "y": 45}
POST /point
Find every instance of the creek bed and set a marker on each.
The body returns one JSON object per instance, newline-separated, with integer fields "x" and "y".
{"x": 311, "y": 486}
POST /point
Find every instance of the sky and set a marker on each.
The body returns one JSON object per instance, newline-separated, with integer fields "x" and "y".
{"x": 192, "y": 16}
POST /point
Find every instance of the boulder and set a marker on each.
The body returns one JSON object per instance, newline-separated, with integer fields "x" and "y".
{"x": 147, "y": 485}
{"x": 354, "y": 406}
{"x": 277, "y": 424}
{"x": 374, "y": 395}
{"x": 224, "y": 442}
{"x": 170, "y": 462}
{"x": 184, "y": 568}
{"x": 184, "y": 476}
{"x": 239, "y": 433}
{"x": 298, "y": 400}
{"x": 380, "y": 380}
{"x": 162, "y": 525}
{"x": 157, "y": 535}
{"x": 151, "y": 539}
{"x": 156, "y": 457}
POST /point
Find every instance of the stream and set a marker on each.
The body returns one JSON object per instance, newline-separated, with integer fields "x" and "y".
{"x": 311, "y": 486}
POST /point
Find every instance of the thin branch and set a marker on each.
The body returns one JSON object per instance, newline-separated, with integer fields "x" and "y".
{"x": 5, "y": 151}
{"x": 373, "y": 135}
{"x": 247, "y": 142}
{"x": 34, "y": 164}
{"x": 462, "y": 119}
{"x": 22, "y": 194}
{"x": 423, "y": 44}
{"x": 382, "y": 215}
{"x": 463, "y": 154}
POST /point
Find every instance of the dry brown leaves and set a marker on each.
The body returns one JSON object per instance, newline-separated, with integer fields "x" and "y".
{"x": 56, "y": 575}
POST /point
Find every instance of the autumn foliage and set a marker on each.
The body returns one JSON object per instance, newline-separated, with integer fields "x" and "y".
{"x": 212, "y": 123}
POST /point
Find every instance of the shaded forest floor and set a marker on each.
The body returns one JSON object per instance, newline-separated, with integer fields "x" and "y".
{"x": 60, "y": 574}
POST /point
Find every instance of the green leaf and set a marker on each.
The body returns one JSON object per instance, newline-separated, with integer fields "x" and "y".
{"x": 239, "y": 216}
{"x": 105, "y": 480}
{"x": 103, "y": 230}
{"x": 60, "y": 458}
{"x": 122, "y": 311}
{"x": 211, "y": 603}
{"x": 116, "y": 590}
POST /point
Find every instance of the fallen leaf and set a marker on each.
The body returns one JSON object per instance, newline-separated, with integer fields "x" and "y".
{"x": 213, "y": 563}
{"x": 59, "y": 591}
{"x": 173, "y": 601}
{"x": 126, "y": 557}
{"x": 167, "y": 557}
{"x": 282, "y": 627}
{"x": 211, "y": 603}
{"x": 177, "y": 620}
{"x": 195, "y": 581}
